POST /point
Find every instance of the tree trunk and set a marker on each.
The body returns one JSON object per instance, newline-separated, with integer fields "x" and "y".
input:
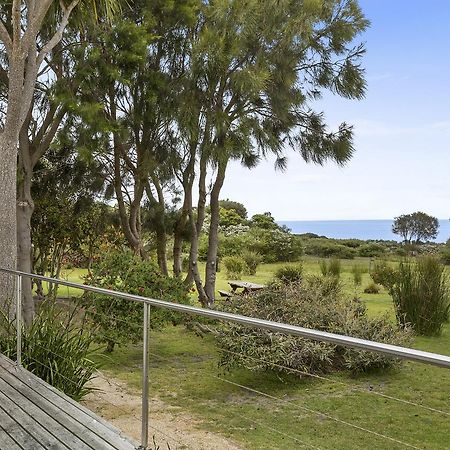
{"x": 178, "y": 243}
{"x": 161, "y": 250}
{"x": 25, "y": 208}
{"x": 213, "y": 239}
{"x": 8, "y": 236}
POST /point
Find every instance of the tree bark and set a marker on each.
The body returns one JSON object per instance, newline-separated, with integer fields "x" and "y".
{"x": 25, "y": 208}
{"x": 8, "y": 237}
{"x": 213, "y": 239}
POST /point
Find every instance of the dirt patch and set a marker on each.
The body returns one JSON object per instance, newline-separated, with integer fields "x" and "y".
{"x": 116, "y": 402}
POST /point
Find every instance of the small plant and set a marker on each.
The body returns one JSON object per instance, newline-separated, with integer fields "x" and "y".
{"x": 421, "y": 295}
{"x": 383, "y": 274}
{"x": 331, "y": 267}
{"x": 234, "y": 266}
{"x": 252, "y": 261}
{"x": 289, "y": 274}
{"x": 372, "y": 288}
{"x": 357, "y": 275}
{"x": 56, "y": 348}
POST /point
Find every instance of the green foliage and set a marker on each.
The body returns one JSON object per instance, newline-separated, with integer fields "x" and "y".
{"x": 289, "y": 274}
{"x": 331, "y": 267}
{"x": 384, "y": 274}
{"x": 445, "y": 253}
{"x": 357, "y": 272}
{"x": 418, "y": 226}
{"x": 237, "y": 207}
{"x": 229, "y": 217}
{"x": 314, "y": 303}
{"x": 421, "y": 295}
{"x": 265, "y": 221}
{"x": 372, "y": 250}
{"x": 234, "y": 266}
{"x": 55, "y": 348}
{"x": 372, "y": 288}
{"x": 252, "y": 261}
{"x": 117, "y": 320}
{"x": 325, "y": 248}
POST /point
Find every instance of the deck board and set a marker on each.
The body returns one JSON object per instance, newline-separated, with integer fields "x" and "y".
{"x": 35, "y": 416}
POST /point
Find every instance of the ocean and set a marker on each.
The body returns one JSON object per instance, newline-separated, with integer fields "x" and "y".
{"x": 356, "y": 229}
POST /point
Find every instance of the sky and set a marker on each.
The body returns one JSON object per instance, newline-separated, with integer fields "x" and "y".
{"x": 401, "y": 130}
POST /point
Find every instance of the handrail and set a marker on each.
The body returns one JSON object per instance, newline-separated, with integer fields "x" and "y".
{"x": 347, "y": 341}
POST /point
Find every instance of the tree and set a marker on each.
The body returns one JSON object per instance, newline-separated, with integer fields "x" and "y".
{"x": 249, "y": 78}
{"x": 27, "y": 38}
{"x": 418, "y": 226}
{"x": 239, "y": 208}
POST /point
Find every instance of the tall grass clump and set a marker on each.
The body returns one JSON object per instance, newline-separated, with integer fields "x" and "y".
{"x": 234, "y": 266}
{"x": 289, "y": 274}
{"x": 252, "y": 261}
{"x": 331, "y": 267}
{"x": 56, "y": 348}
{"x": 421, "y": 295}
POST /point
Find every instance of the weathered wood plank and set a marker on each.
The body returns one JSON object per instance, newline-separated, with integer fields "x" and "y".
{"x": 62, "y": 413}
{"x": 41, "y": 411}
{"x": 7, "y": 442}
{"x": 20, "y": 427}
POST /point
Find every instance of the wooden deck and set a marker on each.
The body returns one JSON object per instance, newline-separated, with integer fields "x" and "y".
{"x": 36, "y": 416}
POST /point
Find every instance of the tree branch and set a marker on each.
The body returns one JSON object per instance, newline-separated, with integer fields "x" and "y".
{"x": 6, "y": 38}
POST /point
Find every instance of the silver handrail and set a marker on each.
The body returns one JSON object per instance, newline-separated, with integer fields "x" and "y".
{"x": 346, "y": 341}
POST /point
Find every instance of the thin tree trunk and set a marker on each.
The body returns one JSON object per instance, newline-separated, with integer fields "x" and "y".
{"x": 178, "y": 241}
{"x": 8, "y": 236}
{"x": 213, "y": 239}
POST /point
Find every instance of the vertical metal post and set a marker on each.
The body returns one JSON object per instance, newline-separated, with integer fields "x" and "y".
{"x": 19, "y": 319}
{"x": 144, "y": 433}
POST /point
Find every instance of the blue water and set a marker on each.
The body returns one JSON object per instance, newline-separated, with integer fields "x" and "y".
{"x": 356, "y": 229}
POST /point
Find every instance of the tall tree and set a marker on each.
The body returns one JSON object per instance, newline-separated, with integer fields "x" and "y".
{"x": 251, "y": 77}
{"x": 26, "y": 43}
{"x": 418, "y": 226}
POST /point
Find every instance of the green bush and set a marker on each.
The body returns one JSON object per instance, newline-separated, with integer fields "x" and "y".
{"x": 289, "y": 274}
{"x": 325, "y": 248}
{"x": 331, "y": 267}
{"x": 117, "y": 320}
{"x": 234, "y": 266}
{"x": 252, "y": 261}
{"x": 382, "y": 273}
{"x": 421, "y": 294}
{"x": 372, "y": 288}
{"x": 445, "y": 255}
{"x": 357, "y": 272}
{"x": 56, "y": 348}
{"x": 371, "y": 250}
{"x": 316, "y": 303}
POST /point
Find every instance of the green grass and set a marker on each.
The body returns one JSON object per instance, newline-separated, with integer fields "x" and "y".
{"x": 184, "y": 373}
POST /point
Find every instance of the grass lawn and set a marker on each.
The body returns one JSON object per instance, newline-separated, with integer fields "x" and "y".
{"x": 338, "y": 412}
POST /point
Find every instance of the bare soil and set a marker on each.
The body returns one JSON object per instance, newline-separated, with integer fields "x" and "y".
{"x": 169, "y": 426}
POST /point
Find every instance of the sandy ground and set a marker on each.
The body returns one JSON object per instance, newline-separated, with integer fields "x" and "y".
{"x": 170, "y": 426}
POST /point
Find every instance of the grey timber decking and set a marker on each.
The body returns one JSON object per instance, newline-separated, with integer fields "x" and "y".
{"x": 35, "y": 416}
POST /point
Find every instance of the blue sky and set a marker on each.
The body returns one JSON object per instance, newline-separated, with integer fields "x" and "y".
{"x": 402, "y": 130}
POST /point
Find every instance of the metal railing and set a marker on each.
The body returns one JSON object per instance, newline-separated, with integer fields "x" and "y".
{"x": 346, "y": 341}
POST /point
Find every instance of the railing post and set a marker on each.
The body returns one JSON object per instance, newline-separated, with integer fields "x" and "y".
{"x": 144, "y": 433}
{"x": 19, "y": 319}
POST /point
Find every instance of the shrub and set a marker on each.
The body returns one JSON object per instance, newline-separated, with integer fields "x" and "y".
{"x": 234, "y": 265}
{"x": 289, "y": 274}
{"x": 325, "y": 248}
{"x": 56, "y": 348}
{"x": 371, "y": 250}
{"x": 421, "y": 295}
{"x": 357, "y": 272}
{"x": 445, "y": 255}
{"x": 315, "y": 303}
{"x": 331, "y": 267}
{"x": 252, "y": 261}
{"x": 372, "y": 288}
{"x": 383, "y": 274}
{"x": 118, "y": 320}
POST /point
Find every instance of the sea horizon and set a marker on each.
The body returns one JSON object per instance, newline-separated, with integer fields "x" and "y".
{"x": 364, "y": 229}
